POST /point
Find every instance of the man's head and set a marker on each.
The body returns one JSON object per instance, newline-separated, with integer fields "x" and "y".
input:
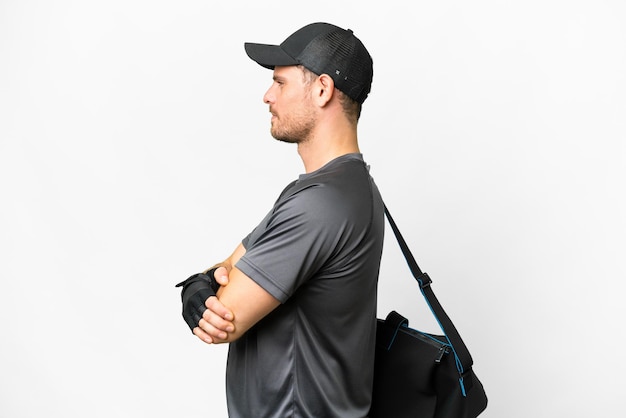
{"x": 291, "y": 104}
{"x": 323, "y": 48}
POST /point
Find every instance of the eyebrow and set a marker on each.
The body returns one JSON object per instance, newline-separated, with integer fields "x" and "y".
{"x": 279, "y": 78}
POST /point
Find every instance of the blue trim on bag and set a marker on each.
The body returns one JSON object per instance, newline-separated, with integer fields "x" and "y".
{"x": 462, "y": 386}
{"x": 457, "y": 360}
{"x": 430, "y": 337}
{"x": 393, "y": 338}
{"x": 422, "y": 333}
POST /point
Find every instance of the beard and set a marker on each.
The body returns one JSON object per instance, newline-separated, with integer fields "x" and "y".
{"x": 294, "y": 127}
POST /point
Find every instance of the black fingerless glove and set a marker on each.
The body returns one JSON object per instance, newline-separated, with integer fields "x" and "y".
{"x": 196, "y": 290}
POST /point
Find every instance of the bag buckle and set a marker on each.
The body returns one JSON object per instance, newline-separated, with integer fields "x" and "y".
{"x": 424, "y": 280}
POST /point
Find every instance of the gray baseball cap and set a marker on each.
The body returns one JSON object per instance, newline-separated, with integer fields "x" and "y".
{"x": 323, "y": 49}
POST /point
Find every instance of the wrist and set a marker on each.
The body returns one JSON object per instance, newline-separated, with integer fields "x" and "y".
{"x": 209, "y": 276}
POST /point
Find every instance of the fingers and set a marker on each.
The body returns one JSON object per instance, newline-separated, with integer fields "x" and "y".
{"x": 207, "y": 332}
{"x": 217, "y": 322}
{"x": 216, "y": 307}
{"x": 221, "y": 276}
{"x": 198, "y": 332}
{"x": 213, "y": 327}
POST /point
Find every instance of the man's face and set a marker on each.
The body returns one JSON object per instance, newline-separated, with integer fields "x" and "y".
{"x": 289, "y": 98}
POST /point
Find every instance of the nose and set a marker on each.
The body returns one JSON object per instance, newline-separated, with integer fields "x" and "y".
{"x": 268, "y": 97}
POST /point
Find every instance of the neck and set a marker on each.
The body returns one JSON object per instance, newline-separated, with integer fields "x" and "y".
{"x": 324, "y": 145}
{"x": 320, "y": 149}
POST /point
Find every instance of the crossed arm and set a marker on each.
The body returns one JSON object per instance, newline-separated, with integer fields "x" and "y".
{"x": 240, "y": 303}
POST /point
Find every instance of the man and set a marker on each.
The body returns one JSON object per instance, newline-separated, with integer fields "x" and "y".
{"x": 297, "y": 298}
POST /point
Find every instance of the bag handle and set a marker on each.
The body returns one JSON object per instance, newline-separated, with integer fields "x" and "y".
{"x": 462, "y": 356}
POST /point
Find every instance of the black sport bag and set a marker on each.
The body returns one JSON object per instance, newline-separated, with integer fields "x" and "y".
{"x": 420, "y": 375}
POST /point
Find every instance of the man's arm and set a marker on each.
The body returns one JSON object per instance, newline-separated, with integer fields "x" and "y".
{"x": 229, "y": 263}
{"x": 217, "y": 317}
{"x": 246, "y": 300}
{"x": 247, "y": 303}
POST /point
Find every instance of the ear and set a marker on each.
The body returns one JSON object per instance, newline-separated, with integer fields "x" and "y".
{"x": 324, "y": 91}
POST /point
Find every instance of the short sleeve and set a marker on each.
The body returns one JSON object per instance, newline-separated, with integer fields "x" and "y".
{"x": 292, "y": 243}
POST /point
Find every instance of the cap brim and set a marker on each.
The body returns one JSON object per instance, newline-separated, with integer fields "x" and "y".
{"x": 269, "y": 56}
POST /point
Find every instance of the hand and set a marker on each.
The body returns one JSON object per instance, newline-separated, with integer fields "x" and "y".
{"x": 195, "y": 291}
{"x": 220, "y": 275}
{"x": 216, "y": 320}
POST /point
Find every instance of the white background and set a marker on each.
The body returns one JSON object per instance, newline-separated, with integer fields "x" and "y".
{"x": 135, "y": 151}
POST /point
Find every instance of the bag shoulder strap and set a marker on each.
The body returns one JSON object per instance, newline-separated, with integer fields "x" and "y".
{"x": 461, "y": 353}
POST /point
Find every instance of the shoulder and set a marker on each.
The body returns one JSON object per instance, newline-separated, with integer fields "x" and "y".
{"x": 338, "y": 191}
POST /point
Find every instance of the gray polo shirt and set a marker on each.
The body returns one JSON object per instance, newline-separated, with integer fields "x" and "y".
{"x": 318, "y": 252}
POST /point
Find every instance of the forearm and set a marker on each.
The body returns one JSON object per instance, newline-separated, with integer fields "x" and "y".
{"x": 239, "y": 303}
{"x": 216, "y": 323}
{"x": 247, "y": 301}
